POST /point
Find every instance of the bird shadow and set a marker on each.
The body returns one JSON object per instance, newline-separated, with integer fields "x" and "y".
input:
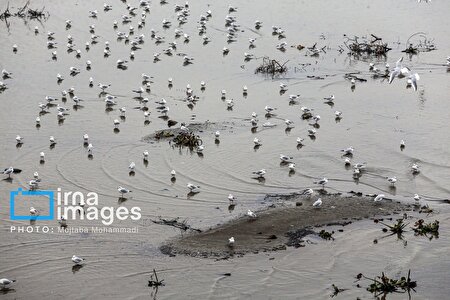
{"x": 116, "y": 130}
{"x": 131, "y": 173}
{"x": 76, "y": 268}
{"x": 260, "y": 179}
{"x": 231, "y": 207}
{"x": 122, "y": 200}
{"x": 6, "y": 290}
{"x": 8, "y": 179}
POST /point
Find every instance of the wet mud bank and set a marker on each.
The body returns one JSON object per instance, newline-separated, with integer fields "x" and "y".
{"x": 277, "y": 228}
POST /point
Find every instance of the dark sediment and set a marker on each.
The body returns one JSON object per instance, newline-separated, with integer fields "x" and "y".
{"x": 276, "y": 228}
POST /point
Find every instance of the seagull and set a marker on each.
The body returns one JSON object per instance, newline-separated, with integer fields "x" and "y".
{"x": 378, "y": 198}
{"x": 285, "y": 158}
{"x": 289, "y": 123}
{"x": 291, "y": 167}
{"x": 251, "y": 214}
{"x": 392, "y": 180}
{"x": 317, "y": 203}
{"x": 145, "y": 154}
{"x": 52, "y": 140}
{"x": 417, "y": 197}
{"x": 338, "y": 114}
{"x": 232, "y": 198}
{"x": 123, "y": 191}
{"x": 200, "y": 148}
{"x": 231, "y": 241}
{"x": 121, "y": 63}
{"x": 402, "y": 144}
{"x": 36, "y": 176}
{"x": 42, "y": 156}
{"x": 260, "y": 173}
{"x": 33, "y": 184}
{"x": 77, "y": 260}
{"x": 19, "y": 139}
{"x": 412, "y": 81}
{"x": 132, "y": 166}
{"x": 283, "y": 86}
{"x": 193, "y": 188}
{"x": 293, "y": 97}
{"x": 306, "y": 110}
{"x": 34, "y": 211}
{"x": 93, "y": 13}
{"x": 173, "y": 173}
{"x": 6, "y": 74}
{"x": 269, "y": 109}
{"x": 322, "y": 182}
{"x": 217, "y": 134}
{"x": 90, "y": 149}
{"x": 312, "y": 132}
{"x": 300, "y": 141}
{"x": 359, "y": 166}
{"x": 347, "y": 161}
{"x": 85, "y": 138}
{"x": 8, "y": 171}
{"x": 59, "y": 77}
{"x": 415, "y": 169}
{"x": 308, "y": 192}
{"x": 76, "y": 100}
{"x": 62, "y": 221}
{"x": 329, "y": 99}
{"x": 109, "y": 100}
{"x": 116, "y": 123}
{"x": 316, "y": 119}
{"x": 5, "y": 282}
{"x": 348, "y": 151}
{"x": 257, "y": 142}
{"x": 399, "y": 71}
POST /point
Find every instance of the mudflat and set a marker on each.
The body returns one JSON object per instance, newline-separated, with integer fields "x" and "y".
{"x": 276, "y": 228}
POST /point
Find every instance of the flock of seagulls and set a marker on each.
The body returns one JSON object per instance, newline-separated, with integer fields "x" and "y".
{"x": 135, "y": 42}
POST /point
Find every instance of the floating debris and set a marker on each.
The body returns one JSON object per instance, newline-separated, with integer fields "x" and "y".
{"x": 271, "y": 66}
{"x": 364, "y": 46}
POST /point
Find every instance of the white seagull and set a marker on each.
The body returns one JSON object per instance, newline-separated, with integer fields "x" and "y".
{"x": 77, "y": 260}
{"x": 193, "y": 188}
{"x": 123, "y": 190}
{"x": 317, "y": 203}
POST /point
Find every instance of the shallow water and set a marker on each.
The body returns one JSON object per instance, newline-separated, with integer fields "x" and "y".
{"x": 376, "y": 116}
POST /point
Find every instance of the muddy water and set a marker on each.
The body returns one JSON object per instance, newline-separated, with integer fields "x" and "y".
{"x": 376, "y": 116}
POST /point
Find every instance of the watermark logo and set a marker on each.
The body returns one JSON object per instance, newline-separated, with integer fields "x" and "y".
{"x": 19, "y": 192}
{"x": 73, "y": 206}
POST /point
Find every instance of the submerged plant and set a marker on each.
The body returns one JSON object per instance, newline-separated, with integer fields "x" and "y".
{"x": 398, "y": 228}
{"x": 336, "y": 290}
{"x": 430, "y": 230}
{"x": 383, "y": 285}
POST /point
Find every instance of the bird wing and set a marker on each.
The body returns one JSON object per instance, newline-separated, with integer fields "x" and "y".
{"x": 393, "y": 75}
